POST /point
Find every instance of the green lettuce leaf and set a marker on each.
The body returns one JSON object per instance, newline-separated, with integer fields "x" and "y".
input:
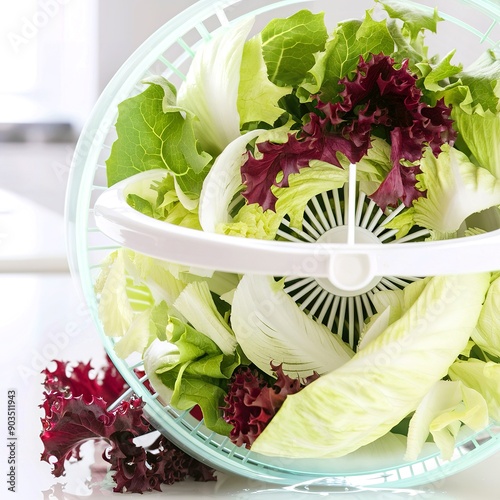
{"x": 482, "y": 376}
{"x": 487, "y": 333}
{"x": 348, "y": 407}
{"x": 270, "y": 328}
{"x": 151, "y": 136}
{"x": 456, "y": 188}
{"x": 196, "y": 304}
{"x": 477, "y": 88}
{"x": 481, "y": 134}
{"x": 257, "y": 96}
{"x": 160, "y": 200}
{"x": 436, "y": 78}
{"x": 415, "y": 20}
{"x": 373, "y": 168}
{"x": 210, "y": 91}
{"x": 133, "y": 290}
{"x": 390, "y": 306}
{"x": 305, "y": 185}
{"x": 223, "y": 183}
{"x": 115, "y": 309}
{"x": 194, "y": 370}
{"x": 350, "y": 40}
{"x": 252, "y": 222}
{"x": 441, "y": 413}
{"x": 289, "y": 45}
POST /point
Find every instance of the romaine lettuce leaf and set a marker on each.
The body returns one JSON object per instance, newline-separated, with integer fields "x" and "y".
{"x": 194, "y": 371}
{"x": 441, "y": 413}
{"x": 383, "y": 383}
{"x": 210, "y": 90}
{"x": 482, "y": 376}
{"x": 270, "y": 328}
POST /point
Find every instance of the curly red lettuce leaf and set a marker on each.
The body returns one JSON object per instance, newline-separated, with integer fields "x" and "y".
{"x": 138, "y": 469}
{"x": 381, "y": 99}
{"x": 76, "y": 412}
{"x": 71, "y": 421}
{"x": 252, "y": 401}
{"x": 82, "y": 379}
{"x": 260, "y": 174}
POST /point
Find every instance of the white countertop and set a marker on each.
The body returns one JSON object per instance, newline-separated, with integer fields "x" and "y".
{"x": 43, "y": 318}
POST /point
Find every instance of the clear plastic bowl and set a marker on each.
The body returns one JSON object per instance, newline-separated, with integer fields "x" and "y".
{"x": 99, "y": 221}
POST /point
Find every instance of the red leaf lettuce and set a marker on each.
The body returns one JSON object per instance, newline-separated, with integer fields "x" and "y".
{"x": 252, "y": 401}
{"x": 382, "y": 100}
{"x": 76, "y": 411}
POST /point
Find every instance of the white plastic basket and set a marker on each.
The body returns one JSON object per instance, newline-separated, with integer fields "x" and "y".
{"x": 326, "y": 263}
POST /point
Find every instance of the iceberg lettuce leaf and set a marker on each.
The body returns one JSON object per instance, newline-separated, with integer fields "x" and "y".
{"x": 484, "y": 377}
{"x": 257, "y": 96}
{"x": 196, "y": 304}
{"x": 348, "y": 407}
{"x": 210, "y": 91}
{"x": 441, "y": 413}
{"x": 270, "y": 328}
{"x": 289, "y": 45}
{"x": 456, "y": 188}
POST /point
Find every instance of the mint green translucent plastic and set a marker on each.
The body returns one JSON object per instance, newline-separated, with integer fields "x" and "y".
{"x": 169, "y": 52}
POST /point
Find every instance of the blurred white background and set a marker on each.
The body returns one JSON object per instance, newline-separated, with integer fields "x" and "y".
{"x": 56, "y": 57}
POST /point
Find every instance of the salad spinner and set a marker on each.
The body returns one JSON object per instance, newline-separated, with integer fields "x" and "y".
{"x": 330, "y": 267}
